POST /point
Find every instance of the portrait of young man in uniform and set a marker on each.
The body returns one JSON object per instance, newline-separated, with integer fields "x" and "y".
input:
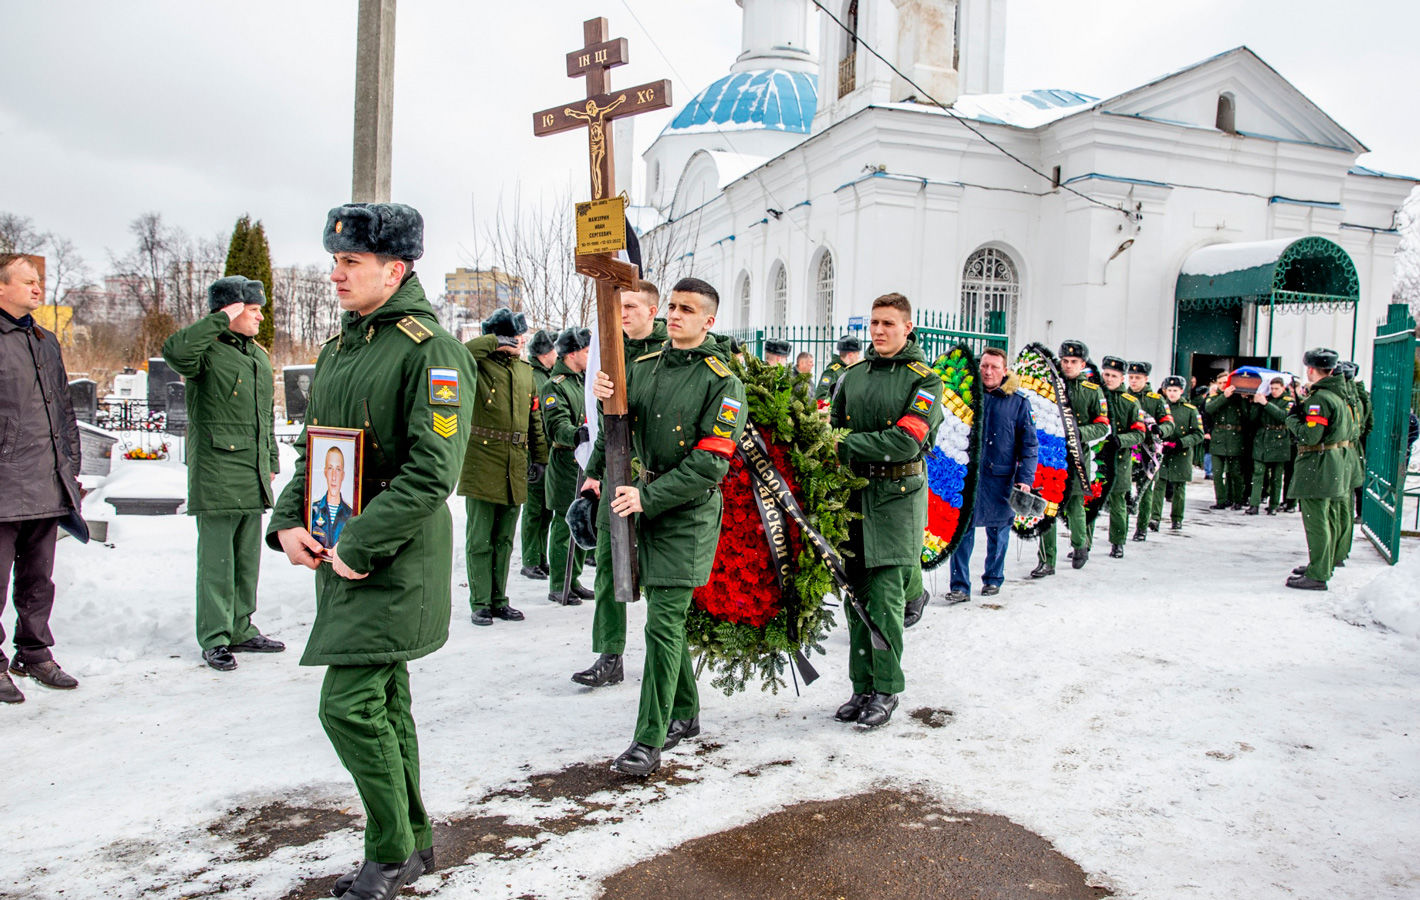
{"x": 332, "y": 509}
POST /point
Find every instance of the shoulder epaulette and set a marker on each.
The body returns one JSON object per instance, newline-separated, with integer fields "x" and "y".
{"x": 1130, "y": 396}
{"x": 652, "y": 355}
{"x": 333, "y": 337}
{"x": 717, "y": 367}
{"x": 858, "y": 363}
{"x": 1092, "y": 386}
{"x": 559, "y": 378}
{"x": 414, "y": 329}
{"x": 920, "y": 369}
{"x": 1190, "y": 406}
{"x": 1156, "y": 395}
{"x": 834, "y": 367}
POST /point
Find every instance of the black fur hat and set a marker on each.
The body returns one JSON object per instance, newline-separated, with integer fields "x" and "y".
{"x": 1348, "y": 370}
{"x": 777, "y": 347}
{"x": 572, "y": 340}
{"x": 229, "y": 290}
{"x": 541, "y": 342}
{"x": 582, "y": 520}
{"x": 1171, "y": 381}
{"x": 1322, "y": 359}
{"x": 1076, "y": 349}
{"x": 849, "y": 344}
{"x": 389, "y": 229}
{"x": 1113, "y": 363}
{"x": 1140, "y": 368}
{"x": 505, "y": 323}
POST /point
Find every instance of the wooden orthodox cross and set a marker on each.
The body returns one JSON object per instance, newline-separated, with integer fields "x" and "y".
{"x": 595, "y": 112}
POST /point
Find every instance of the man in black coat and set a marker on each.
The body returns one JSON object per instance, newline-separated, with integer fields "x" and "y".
{"x": 39, "y": 467}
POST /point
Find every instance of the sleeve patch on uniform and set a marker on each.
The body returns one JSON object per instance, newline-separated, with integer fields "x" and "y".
{"x": 923, "y": 400}
{"x": 559, "y": 378}
{"x": 414, "y": 329}
{"x": 729, "y": 411}
{"x": 443, "y": 386}
{"x": 446, "y": 426}
{"x": 722, "y": 432}
{"x": 717, "y": 367}
{"x": 549, "y": 401}
{"x": 920, "y": 369}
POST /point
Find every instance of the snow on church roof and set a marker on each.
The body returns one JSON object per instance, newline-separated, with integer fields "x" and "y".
{"x": 1029, "y": 109}
{"x": 760, "y": 100}
{"x": 1220, "y": 259}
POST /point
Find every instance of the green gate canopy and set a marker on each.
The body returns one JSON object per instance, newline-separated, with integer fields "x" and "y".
{"x": 1307, "y": 271}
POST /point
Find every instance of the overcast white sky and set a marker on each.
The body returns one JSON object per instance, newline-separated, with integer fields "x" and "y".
{"x": 207, "y": 110}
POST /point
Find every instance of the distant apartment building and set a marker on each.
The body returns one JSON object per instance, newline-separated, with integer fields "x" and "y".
{"x": 471, "y": 295}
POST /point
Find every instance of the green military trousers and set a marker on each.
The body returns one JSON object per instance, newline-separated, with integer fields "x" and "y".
{"x": 488, "y": 549}
{"x": 536, "y": 521}
{"x": 1073, "y": 511}
{"x": 365, "y": 711}
{"x": 883, "y": 592}
{"x": 1267, "y": 478}
{"x": 1151, "y": 505}
{"x": 1343, "y": 528}
{"x": 1319, "y": 523}
{"x": 228, "y": 560}
{"x": 1119, "y": 516}
{"x": 561, "y": 559}
{"x": 668, "y": 688}
{"x": 608, "y": 616}
{"x": 1180, "y": 492}
{"x": 914, "y": 587}
{"x": 1228, "y": 486}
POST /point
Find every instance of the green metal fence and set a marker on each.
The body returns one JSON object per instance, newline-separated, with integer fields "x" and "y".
{"x": 937, "y": 332}
{"x": 1392, "y": 377}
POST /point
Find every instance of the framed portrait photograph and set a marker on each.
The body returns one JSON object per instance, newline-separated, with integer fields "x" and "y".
{"x": 297, "y": 383}
{"x": 334, "y": 463}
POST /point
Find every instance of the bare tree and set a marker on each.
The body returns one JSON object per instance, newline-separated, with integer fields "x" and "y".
{"x": 1407, "y": 254}
{"x": 19, "y": 235}
{"x": 147, "y": 263}
{"x": 193, "y": 263}
{"x": 65, "y": 270}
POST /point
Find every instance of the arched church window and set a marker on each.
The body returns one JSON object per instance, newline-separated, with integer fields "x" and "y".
{"x": 779, "y": 295}
{"x": 1227, "y": 121}
{"x": 990, "y": 289}
{"x": 744, "y": 300}
{"x": 823, "y": 289}
{"x": 848, "y": 63}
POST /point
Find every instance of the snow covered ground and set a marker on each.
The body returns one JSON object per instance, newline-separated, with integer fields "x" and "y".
{"x": 1177, "y": 722}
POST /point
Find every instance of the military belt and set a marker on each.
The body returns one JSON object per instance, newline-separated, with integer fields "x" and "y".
{"x": 1227, "y": 428}
{"x": 1274, "y": 427}
{"x": 492, "y": 434}
{"x": 888, "y": 470}
{"x": 648, "y": 476}
{"x": 1318, "y": 448}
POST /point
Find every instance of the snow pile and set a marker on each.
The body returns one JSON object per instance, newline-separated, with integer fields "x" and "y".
{"x": 1391, "y": 598}
{"x": 1220, "y": 259}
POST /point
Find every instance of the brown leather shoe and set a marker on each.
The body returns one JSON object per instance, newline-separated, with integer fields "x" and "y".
{"x": 8, "y": 692}
{"x": 46, "y": 673}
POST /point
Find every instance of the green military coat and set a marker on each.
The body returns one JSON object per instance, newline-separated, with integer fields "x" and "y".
{"x": 1351, "y": 394}
{"x": 506, "y": 428}
{"x": 828, "y": 380}
{"x": 1178, "y": 449}
{"x": 376, "y": 375}
{"x": 687, "y": 413}
{"x": 540, "y": 374}
{"x": 1272, "y": 442}
{"x": 632, "y": 349}
{"x": 563, "y": 412}
{"x": 1126, "y": 422}
{"x": 892, "y": 407}
{"x": 1153, "y": 404}
{"x": 1228, "y": 417}
{"x": 1091, "y": 409}
{"x": 1322, "y": 422}
{"x": 231, "y": 437}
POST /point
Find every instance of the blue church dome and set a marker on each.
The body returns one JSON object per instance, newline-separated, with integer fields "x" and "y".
{"x": 762, "y": 100}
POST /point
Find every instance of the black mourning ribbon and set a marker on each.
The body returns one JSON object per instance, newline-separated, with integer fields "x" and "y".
{"x": 1075, "y": 448}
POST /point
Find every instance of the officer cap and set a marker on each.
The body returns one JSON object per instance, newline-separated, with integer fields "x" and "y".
{"x": 1076, "y": 349}
{"x": 572, "y": 340}
{"x": 505, "y": 323}
{"x": 1113, "y": 363}
{"x": 1321, "y": 358}
{"x": 541, "y": 342}
{"x": 232, "y": 289}
{"x": 1140, "y": 368}
{"x": 1347, "y": 369}
{"x": 389, "y": 229}
{"x": 1172, "y": 381}
{"x": 849, "y": 344}
{"x": 777, "y": 347}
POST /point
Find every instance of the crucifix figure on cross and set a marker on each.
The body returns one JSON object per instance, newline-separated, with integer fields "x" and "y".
{"x": 602, "y": 105}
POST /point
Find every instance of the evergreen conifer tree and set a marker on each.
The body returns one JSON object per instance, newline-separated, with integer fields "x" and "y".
{"x": 249, "y": 255}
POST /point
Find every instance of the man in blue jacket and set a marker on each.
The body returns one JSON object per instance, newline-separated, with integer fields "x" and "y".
{"x": 1008, "y": 455}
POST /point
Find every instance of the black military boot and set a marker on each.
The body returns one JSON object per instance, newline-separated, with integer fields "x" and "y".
{"x": 533, "y": 572}
{"x": 1141, "y": 536}
{"x": 1042, "y": 570}
{"x": 1175, "y": 526}
{"x": 1081, "y": 557}
{"x": 564, "y": 600}
{"x": 1221, "y": 506}
{"x": 219, "y": 658}
{"x": 1303, "y": 583}
{"x": 382, "y": 881}
{"x": 1252, "y": 510}
{"x": 507, "y": 614}
{"x": 681, "y": 729}
{"x": 1237, "y": 506}
{"x": 878, "y": 710}
{"x": 259, "y": 644}
{"x": 913, "y": 613}
{"x": 1116, "y": 551}
{"x": 639, "y": 760}
{"x": 582, "y": 593}
{"x": 848, "y": 712}
{"x": 606, "y": 670}
{"x": 342, "y": 884}
{"x": 1300, "y": 570}
{"x": 1154, "y": 525}
{"x": 1272, "y": 510}
{"x": 483, "y": 616}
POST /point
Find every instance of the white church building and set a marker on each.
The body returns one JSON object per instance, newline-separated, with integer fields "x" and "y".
{"x": 1215, "y": 210}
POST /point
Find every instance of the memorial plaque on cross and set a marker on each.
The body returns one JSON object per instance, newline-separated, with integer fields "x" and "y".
{"x": 595, "y": 112}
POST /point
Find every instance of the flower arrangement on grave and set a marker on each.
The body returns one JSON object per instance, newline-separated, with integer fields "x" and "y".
{"x": 143, "y": 451}
{"x": 952, "y": 462}
{"x": 744, "y": 623}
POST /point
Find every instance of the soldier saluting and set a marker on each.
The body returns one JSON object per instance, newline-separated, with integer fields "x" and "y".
{"x": 891, "y": 402}
{"x": 384, "y": 598}
{"x": 687, "y": 414}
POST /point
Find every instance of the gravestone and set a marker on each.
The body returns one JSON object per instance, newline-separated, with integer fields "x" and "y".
{"x": 160, "y": 375}
{"x": 176, "y": 400}
{"x": 297, "y": 382}
{"x": 84, "y": 394}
